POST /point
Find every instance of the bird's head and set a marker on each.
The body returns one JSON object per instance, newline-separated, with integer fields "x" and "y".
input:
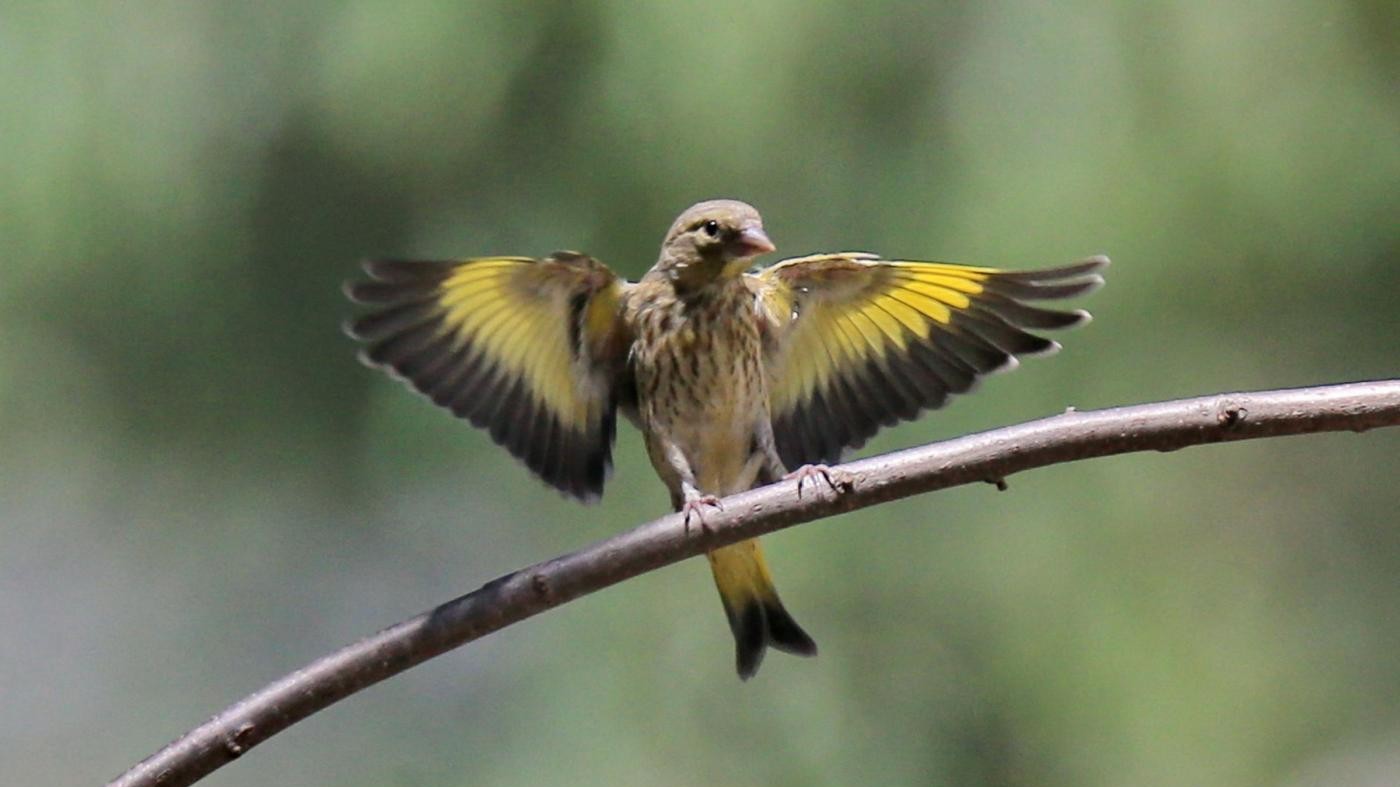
{"x": 712, "y": 241}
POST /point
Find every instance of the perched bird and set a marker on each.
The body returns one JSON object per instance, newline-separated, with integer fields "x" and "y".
{"x": 734, "y": 377}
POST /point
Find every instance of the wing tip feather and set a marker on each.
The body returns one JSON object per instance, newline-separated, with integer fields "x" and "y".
{"x": 1011, "y": 364}
{"x": 363, "y": 357}
{"x": 1091, "y": 284}
{"x": 1090, "y": 265}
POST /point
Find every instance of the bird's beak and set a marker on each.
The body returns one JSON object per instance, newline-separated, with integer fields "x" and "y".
{"x": 754, "y": 241}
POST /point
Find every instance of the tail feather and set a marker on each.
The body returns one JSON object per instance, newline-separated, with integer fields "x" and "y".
{"x": 750, "y": 639}
{"x": 784, "y": 633}
{"x": 756, "y": 614}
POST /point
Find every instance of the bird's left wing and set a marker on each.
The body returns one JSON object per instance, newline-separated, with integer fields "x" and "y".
{"x": 530, "y": 350}
{"x": 856, "y": 342}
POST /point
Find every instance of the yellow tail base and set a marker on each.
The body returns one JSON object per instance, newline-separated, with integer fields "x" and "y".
{"x": 756, "y": 614}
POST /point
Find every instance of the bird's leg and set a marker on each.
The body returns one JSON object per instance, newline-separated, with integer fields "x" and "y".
{"x": 694, "y": 507}
{"x": 693, "y": 501}
{"x": 838, "y": 481}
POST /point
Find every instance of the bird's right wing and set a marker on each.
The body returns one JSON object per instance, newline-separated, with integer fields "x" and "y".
{"x": 530, "y": 350}
{"x": 857, "y": 342}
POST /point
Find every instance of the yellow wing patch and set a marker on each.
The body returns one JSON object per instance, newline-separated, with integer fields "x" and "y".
{"x": 857, "y": 342}
{"x": 487, "y": 306}
{"x": 527, "y": 349}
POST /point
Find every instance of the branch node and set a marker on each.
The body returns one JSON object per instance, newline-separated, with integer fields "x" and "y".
{"x": 237, "y": 741}
{"x": 540, "y": 584}
{"x": 998, "y": 482}
{"x": 1231, "y": 416}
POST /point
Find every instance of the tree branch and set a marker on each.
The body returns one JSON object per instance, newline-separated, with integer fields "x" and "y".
{"x": 987, "y": 456}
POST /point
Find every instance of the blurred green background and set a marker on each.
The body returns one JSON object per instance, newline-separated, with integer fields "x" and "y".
{"x": 200, "y": 489}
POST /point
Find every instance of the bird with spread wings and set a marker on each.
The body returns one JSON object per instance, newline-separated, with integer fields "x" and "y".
{"x": 734, "y": 376}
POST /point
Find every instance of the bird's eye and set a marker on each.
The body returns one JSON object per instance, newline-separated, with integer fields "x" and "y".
{"x": 711, "y": 228}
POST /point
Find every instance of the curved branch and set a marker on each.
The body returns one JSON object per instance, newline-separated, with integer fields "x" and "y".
{"x": 987, "y": 456}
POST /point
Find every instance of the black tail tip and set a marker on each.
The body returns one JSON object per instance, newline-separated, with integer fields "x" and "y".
{"x": 761, "y": 624}
{"x": 785, "y": 635}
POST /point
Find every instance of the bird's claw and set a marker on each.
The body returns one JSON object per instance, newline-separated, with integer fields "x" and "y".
{"x": 836, "y": 480}
{"x": 695, "y": 508}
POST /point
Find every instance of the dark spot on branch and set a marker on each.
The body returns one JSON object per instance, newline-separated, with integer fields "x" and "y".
{"x": 1231, "y": 416}
{"x": 540, "y": 584}
{"x": 998, "y": 482}
{"x": 237, "y": 741}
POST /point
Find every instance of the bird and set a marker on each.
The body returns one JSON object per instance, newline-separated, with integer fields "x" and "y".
{"x": 737, "y": 376}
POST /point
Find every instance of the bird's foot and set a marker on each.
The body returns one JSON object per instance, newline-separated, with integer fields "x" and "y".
{"x": 838, "y": 481}
{"x": 694, "y": 509}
